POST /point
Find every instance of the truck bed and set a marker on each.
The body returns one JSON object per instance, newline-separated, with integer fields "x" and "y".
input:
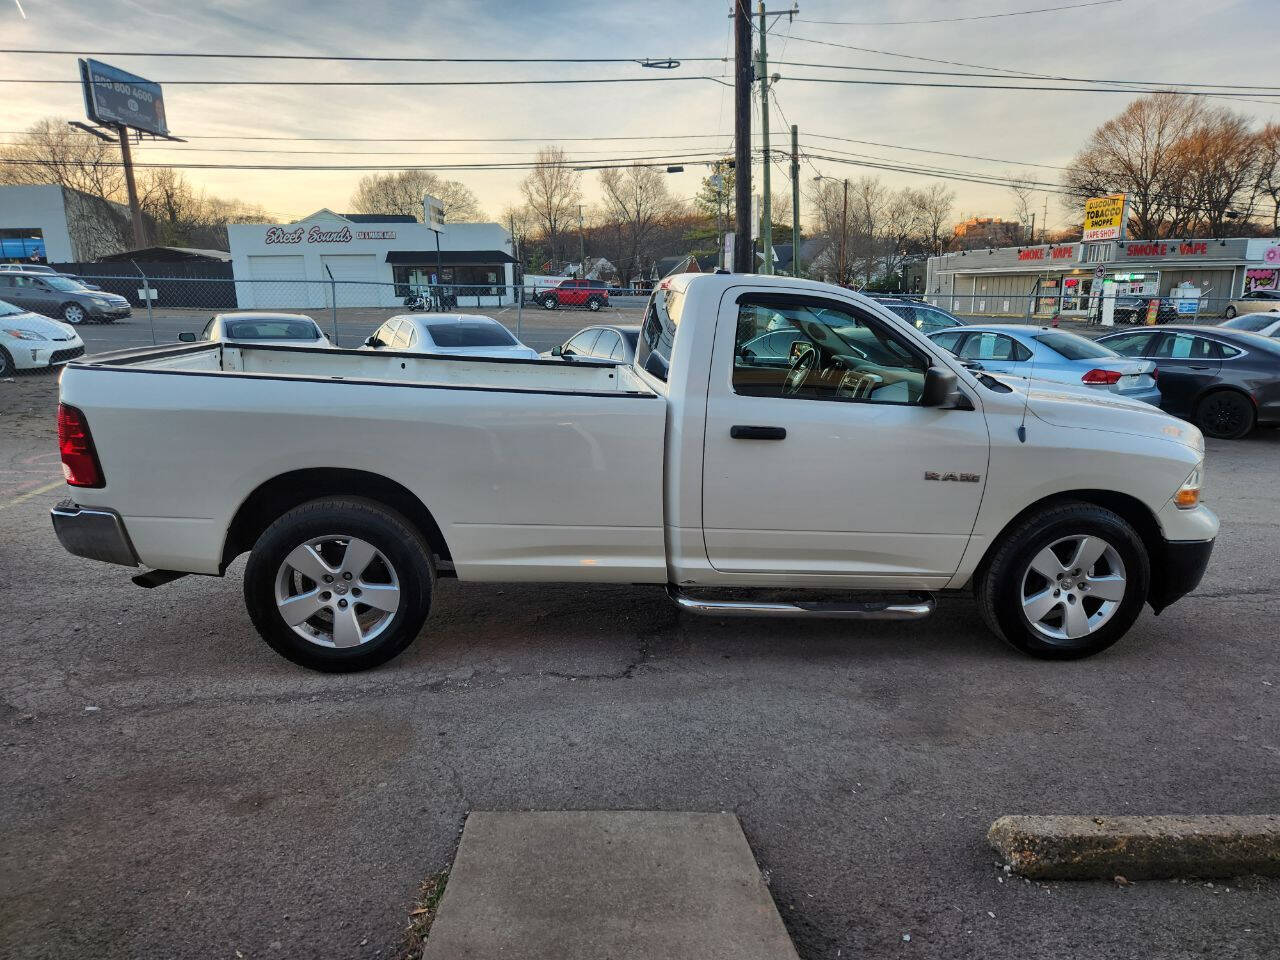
{"x": 533, "y": 470}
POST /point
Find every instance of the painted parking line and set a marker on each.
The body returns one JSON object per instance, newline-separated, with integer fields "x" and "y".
{"x": 23, "y": 498}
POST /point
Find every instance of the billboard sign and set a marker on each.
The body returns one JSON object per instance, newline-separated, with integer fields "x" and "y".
{"x": 113, "y": 96}
{"x": 433, "y": 213}
{"x": 1104, "y": 217}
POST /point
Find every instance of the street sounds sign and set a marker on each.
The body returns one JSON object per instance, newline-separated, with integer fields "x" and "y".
{"x": 113, "y": 96}
{"x": 1104, "y": 217}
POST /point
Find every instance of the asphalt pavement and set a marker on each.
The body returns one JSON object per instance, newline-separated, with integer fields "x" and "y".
{"x": 172, "y": 788}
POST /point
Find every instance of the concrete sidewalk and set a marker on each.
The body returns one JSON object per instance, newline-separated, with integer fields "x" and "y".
{"x": 626, "y": 885}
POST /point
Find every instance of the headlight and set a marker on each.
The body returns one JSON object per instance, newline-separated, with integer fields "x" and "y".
{"x": 1188, "y": 495}
{"x": 26, "y": 334}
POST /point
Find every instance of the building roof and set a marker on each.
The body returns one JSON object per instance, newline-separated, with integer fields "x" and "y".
{"x": 167, "y": 255}
{"x": 379, "y": 217}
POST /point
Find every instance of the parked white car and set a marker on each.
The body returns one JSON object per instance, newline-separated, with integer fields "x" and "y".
{"x": 459, "y": 334}
{"x": 353, "y": 479}
{"x": 252, "y": 327}
{"x": 29, "y": 341}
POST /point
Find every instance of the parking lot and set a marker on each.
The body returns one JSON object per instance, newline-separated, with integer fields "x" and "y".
{"x": 173, "y": 788}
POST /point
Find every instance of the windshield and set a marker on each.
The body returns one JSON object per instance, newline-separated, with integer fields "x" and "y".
{"x": 8, "y": 309}
{"x": 63, "y": 284}
{"x": 271, "y": 330}
{"x": 1075, "y": 348}
{"x": 470, "y": 334}
{"x": 1251, "y": 321}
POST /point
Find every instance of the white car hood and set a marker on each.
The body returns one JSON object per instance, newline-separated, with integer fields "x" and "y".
{"x": 1068, "y": 405}
{"x": 53, "y": 329}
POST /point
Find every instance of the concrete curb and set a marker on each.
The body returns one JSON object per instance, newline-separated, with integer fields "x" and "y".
{"x": 1138, "y": 848}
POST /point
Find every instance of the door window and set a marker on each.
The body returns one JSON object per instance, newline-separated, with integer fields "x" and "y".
{"x": 993, "y": 346}
{"x": 1186, "y": 346}
{"x": 948, "y": 341}
{"x": 1129, "y": 344}
{"x": 608, "y": 342}
{"x": 836, "y": 352}
{"x": 206, "y": 333}
{"x": 401, "y": 339}
{"x": 582, "y": 343}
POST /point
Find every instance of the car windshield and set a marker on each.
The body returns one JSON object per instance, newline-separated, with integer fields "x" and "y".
{"x": 8, "y": 309}
{"x": 470, "y": 333}
{"x": 271, "y": 330}
{"x": 1251, "y": 321}
{"x": 1075, "y": 348}
{"x": 63, "y": 284}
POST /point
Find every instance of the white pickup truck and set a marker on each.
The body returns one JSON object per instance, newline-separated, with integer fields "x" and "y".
{"x": 793, "y": 445}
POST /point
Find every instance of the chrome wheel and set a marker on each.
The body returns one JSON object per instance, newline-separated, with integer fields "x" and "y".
{"x": 73, "y": 313}
{"x": 337, "y": 591}
{"x": 1073, "y": 587}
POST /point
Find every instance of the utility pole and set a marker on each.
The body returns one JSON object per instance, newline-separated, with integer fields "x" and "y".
{"x": 135, "y": 209}
{"x": 1044, "y": 224}
{"x": 844, "y": 229}
{"x": 795, "y": 201}
{"x": 766, "y": 228}
{"x": 582, "y": 247}
{"x": 742, "y": 77}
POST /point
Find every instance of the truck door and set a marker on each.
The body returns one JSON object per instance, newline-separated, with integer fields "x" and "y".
{"x": 819, "y": 461}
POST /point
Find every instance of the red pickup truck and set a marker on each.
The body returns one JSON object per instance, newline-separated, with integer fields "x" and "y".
{"x": 591, "y": 294}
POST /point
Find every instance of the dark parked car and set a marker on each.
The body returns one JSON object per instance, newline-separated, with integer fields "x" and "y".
{"x": 57, "y": 296}
{"x": 1224, "y": 381}
{"x": 606, "y": 342}
{"x": 1133, "y": 309}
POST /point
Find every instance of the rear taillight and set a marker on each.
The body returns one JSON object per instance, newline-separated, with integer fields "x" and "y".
{"x": 75, "y": 444}
{"x": 1154, "y": 373}
{"x": 1101, "y": 376}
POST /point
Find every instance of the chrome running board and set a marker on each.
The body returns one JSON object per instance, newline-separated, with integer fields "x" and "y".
{"x": 914, "y": 606}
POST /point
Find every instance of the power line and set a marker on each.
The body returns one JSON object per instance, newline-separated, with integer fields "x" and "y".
{"x": 391, "y": 83}
{"x": 940, "y": 153}
{"x": 642, "y": 61}
{"x": 983, "y": 16}
{"x": 1004, "y": 86}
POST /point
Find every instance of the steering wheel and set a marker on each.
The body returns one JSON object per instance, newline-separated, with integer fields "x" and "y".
{"x": 801, "y": 367}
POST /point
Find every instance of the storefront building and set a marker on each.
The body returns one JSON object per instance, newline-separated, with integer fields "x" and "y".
{"x": 1067, "y": 279}
{"x": 366, "y": 260}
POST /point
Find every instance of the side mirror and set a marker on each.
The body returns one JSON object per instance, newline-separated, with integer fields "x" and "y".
{"x": 557, "y": 351}
{"x": 187, "y": 337}
{"x": 939, "y": 385}
{"x": 372, "y": 341}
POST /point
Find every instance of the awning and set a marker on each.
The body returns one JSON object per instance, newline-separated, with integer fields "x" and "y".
{"x": 449, "y": 258}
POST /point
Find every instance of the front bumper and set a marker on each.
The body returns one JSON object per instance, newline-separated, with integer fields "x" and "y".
{"x": 51, "y": 353}
{"x": 98, "y": 311}
{"x": 94, "y": 533}
{"x": 1178, "y": 571}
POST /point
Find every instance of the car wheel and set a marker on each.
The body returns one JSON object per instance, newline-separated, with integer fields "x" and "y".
{"x": 1225, "y": 414}
{"x": 339, "y": 584}
{"x": 593, "y": 304}
{"x": 6, "y": 363}
{"x": 1065, "y": 583}
{"x": 1230, "y": 312}
{"x": 550, "y": 303}
{"x": 73, "y": 313}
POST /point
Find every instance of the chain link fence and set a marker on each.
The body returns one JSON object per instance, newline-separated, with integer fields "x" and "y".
{"x": 1088, "y": 309}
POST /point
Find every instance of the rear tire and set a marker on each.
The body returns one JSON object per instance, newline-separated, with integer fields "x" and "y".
{"x": 333, "y": 629}
{"x": 7, "y": 366}
{"x": 593, "y": 304}
{"x": 1225, "y": 415}
{"x": 1082, "y": 603}
{"x": 1230, "y": 312}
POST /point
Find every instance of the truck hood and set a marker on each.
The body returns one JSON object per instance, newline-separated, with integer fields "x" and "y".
{"x": 1066, "y": 405}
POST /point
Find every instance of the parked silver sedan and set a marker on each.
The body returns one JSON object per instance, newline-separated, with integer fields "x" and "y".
{"x": 1044, "y": 353}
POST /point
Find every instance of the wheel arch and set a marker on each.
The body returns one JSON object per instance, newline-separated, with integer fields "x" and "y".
{"x": 1220, "y": 388}
{"x": 284, "y": 492}
{"x": 1132, "y": 510}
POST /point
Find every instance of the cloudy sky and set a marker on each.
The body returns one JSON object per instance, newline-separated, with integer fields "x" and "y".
{"x": 1150, "y": 41}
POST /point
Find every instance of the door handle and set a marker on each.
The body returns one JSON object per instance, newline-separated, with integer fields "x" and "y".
{"x": 1199, "y": 366}
{"x": 743, "y": 432}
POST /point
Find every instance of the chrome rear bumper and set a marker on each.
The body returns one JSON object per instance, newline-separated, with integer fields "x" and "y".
{"x": 94, "y": 533}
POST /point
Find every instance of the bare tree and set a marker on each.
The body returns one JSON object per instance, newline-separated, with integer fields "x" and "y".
{"x": 182, "y": 215}
{"x": 50, "y": 152}
{"x": 902, "y": 222}
{"x": 1220, "y": 163}
{"x": 637, "y": 200}
{"x": 553, "y": 191}
{"x": 1024, "y": 195}
{"x": 1136, "y": 153}
{"x": 401, "y": 193}
{"x": 935, "y": 203}
{"x": 1269, "y": 170}
{"x": 868, "y": 200}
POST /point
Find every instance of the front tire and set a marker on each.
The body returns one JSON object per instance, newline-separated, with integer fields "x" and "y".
{"x": 550, "y": 303}
{"x": 7, "y": 366}
{"x": 73, "y": 313}
{"x": 1225, "y": 415}
{"x": 339, "y": 584}
{"x": 1065, "y": 583}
